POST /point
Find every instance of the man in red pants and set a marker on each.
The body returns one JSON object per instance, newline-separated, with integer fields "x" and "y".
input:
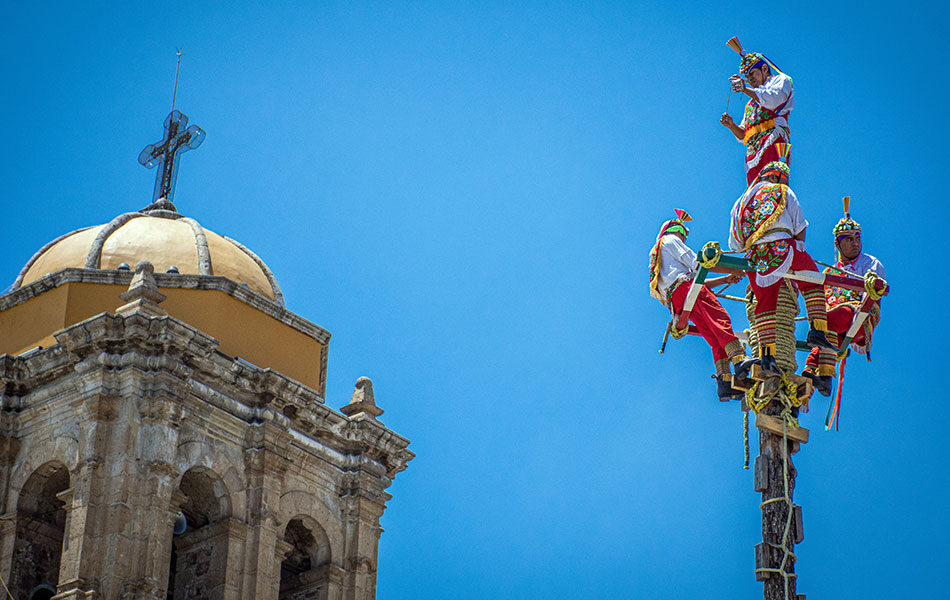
{"x": 672, "y": 268}
{"x": 843, "y": 303}
{"x": 768, "y": 224}
{"x": 765, "y": 120}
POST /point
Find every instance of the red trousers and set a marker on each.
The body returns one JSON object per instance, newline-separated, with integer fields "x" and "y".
{"x": 768, "y": 156}
{"x": 766, "y": 298}
{"x": 711, "y": 319}
{"x": 839, "y": 322}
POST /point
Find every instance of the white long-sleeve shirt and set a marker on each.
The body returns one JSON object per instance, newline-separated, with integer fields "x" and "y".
{"x": 772, "y": 94}
{"x": 677, "y": 262}
{"x": 862, "y": 264}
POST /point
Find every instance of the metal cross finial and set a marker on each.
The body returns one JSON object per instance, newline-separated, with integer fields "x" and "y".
{"x": 179, "y": 138}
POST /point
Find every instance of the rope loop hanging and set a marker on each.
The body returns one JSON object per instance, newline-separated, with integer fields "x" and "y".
{"x": 709, "y": 256}
{"x": 870, "y": 281}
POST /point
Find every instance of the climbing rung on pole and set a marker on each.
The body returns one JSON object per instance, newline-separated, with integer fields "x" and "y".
{"x": 774, "y": 426}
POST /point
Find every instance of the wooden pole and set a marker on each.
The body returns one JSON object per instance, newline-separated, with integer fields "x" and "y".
{"x": 775, "y": 478}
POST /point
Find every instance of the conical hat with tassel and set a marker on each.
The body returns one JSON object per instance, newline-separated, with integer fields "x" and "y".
{"x": 750, "y": 60}
{"x": 846, "y": 224}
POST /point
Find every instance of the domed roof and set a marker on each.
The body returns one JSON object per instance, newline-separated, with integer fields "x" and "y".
{"x": 162, "y": 236}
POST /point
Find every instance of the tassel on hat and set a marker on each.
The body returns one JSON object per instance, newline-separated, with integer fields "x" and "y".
{"x": 735, "y": 45}
{"x": 682, "y": 215}
{"x": 783, "y": 148}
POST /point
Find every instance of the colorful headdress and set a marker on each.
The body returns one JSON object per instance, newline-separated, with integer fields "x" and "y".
{"x": 846, "y": 225}
{"x": 750, "y": 60}
{"x": 778, "y": 167}
{"x": 676, "y": 225}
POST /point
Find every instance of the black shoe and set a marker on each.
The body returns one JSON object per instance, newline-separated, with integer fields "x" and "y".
{"x": 822, "y": 383}
{"x": 742, "y": 369}
{"x": 770, "y": 366}
{"x": 818, "y": 339}
{"x": 724, "y": 390}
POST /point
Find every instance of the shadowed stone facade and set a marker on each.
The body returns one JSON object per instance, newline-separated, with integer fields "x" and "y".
{"x": 134, "y": 416}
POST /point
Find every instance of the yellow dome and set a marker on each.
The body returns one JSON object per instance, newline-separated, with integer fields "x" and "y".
{"x": 163, "y": 237}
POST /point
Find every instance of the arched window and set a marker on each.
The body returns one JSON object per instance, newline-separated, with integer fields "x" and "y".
{"x": 40, "y": 527}
{"x": 304, "y": 572}
{"x": 43, "y": 592}
{"x": 200, "y": 553}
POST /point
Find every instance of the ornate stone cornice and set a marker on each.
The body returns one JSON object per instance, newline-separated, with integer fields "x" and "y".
{"x": 152, "y": 336}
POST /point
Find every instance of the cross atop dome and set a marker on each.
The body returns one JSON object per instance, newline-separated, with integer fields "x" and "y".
{"x": 178, "y": 139}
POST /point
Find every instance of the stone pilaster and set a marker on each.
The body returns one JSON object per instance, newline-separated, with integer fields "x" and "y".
{"x": 237, "y": 544}
{"x": 265, "y": 460}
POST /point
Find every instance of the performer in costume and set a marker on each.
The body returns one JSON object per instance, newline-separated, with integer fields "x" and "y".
{"x": 765, "y": 121}
{"x": 672, "y": 268}
{"x": 767, "y": 223}
{"x": 843, "y": 303}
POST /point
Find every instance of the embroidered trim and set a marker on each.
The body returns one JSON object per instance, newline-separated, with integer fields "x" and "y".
{"x": 758, "y": 128}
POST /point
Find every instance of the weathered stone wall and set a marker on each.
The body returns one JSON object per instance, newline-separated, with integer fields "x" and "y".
{"x": 146, "y": 419}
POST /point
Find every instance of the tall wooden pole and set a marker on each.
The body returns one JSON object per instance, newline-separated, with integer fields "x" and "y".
{"x": 775, "y": 478}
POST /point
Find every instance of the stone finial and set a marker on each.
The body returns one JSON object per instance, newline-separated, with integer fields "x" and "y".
{"x": 362, "y": 400}
{"x": 143, "y": 296}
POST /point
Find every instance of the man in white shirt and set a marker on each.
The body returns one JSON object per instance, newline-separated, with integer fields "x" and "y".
{"x": 672, "y": 268}
{"x": 768, "y": 224}
{"x": 843, "y": 303}
{"x": 765, "y": 119}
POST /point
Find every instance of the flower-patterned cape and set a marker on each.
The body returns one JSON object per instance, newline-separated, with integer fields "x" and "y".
{"x": 753, "y": 217}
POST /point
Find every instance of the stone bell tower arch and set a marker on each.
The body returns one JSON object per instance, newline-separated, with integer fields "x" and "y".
{"x": 164, "y": 431}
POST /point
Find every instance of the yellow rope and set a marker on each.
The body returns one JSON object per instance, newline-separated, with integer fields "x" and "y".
{"x": 6, "y": 588}
{"x": 712, "y": 262}
{"x": 869, "y": 279}
{"x": 786, "y": 392}
{"x": 678, "y": 333}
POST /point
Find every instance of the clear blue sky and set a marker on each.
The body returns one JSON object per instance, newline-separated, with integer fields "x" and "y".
{"x": 465, "y": 195}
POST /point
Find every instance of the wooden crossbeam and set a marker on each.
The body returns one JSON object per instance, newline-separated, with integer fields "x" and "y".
{"x": 774, "y": 425}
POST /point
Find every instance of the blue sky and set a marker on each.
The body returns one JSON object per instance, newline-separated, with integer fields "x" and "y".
{"x": 465, "y": 195}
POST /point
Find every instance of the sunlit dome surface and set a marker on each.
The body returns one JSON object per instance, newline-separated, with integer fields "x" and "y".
{"x": 162, "y": 236}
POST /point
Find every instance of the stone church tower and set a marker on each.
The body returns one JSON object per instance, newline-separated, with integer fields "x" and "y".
{"x": 164, "y": 433}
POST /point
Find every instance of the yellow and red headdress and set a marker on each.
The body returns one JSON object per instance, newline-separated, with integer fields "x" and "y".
{"x": 750, "y": 60}
{"x": 676, "y": 225}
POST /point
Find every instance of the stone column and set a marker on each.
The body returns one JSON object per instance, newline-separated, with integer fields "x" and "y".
{"x": 236, "y": 541}
{"x": 361, "y": 534}
{"x": 72, "y": 585}
{"x": 265, "y": 460}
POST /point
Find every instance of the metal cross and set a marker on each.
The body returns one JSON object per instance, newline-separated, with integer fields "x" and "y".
{"x": 179, "y": 138}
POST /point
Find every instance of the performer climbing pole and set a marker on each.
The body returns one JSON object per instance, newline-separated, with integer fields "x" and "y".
{"x": 852, "y": 315}
{"x": 768, "y": 224}
{"x": 673, "y": 282}
{"x": 767, "y": 243}
{"x": 765, "y": 120}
